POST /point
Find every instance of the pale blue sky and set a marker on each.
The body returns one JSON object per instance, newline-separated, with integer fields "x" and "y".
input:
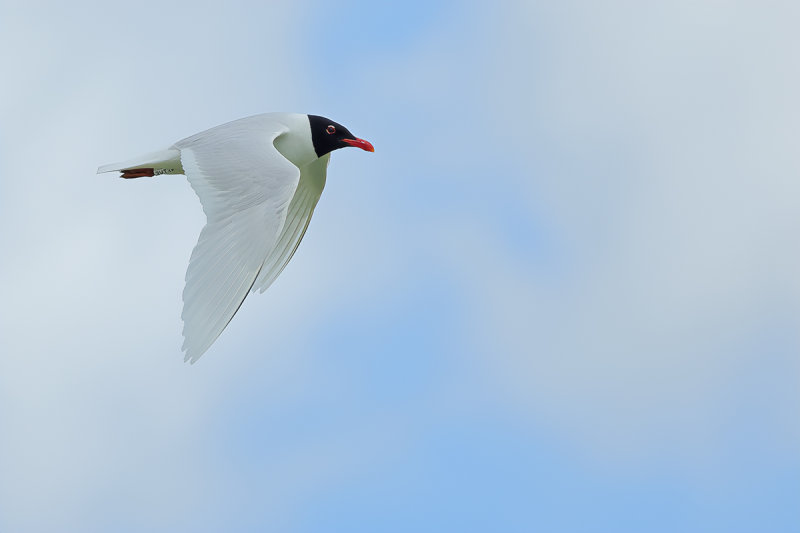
{"x": 562, "y": 295}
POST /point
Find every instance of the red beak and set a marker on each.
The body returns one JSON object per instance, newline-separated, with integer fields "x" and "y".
{"x": 360, "y": 143}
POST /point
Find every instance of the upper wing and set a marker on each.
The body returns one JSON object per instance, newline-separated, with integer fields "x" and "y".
{"x": 312, "y": 181}
{"x": 245, "y": 186}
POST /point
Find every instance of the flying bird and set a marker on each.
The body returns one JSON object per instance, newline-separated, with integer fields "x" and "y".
{"x": 258, "y": 180}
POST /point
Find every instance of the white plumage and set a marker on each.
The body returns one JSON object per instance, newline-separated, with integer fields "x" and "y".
{"x": 258, "y": 179}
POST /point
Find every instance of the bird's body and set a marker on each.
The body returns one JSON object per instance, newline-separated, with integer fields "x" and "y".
{"x": 258, "y": 179}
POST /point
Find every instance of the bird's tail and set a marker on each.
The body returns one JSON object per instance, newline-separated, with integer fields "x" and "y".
{"x": 148, "y": 165}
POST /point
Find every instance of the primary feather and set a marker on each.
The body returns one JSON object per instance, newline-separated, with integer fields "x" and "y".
{"x": 245, "y": 186}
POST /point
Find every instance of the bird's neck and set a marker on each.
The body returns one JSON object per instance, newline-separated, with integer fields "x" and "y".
{"x": 296, "y": 145}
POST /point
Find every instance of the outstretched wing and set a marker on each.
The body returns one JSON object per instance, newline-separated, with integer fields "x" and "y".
{"x": 312, "y": 181}
{"x": 245, "y": 186}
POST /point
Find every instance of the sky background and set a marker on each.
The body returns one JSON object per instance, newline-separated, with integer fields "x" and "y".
{"x": 562, "y": 295}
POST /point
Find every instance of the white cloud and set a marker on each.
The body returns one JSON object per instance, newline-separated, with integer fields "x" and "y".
{"x": 661, "y": 162}
{"x": 91, "y": 275}
{"x": 652, "y": 147}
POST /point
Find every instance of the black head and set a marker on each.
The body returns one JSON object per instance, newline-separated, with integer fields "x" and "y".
{"x": 328, "y": 136}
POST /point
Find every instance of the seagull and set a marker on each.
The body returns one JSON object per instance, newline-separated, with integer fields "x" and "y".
{"x": 258, "y": 180}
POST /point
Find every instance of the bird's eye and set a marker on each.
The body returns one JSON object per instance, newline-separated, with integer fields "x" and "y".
{"x": 331, "y": 130}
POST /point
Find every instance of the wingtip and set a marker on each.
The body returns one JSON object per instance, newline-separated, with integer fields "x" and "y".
{"x": 192, "y": 354}
{"x": 187, "y": 357}
{"x": 191, "y": 359}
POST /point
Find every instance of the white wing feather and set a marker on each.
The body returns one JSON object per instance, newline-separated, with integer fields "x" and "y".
{"x": 245, "y": 186}
{"x": 312, "y": 181}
